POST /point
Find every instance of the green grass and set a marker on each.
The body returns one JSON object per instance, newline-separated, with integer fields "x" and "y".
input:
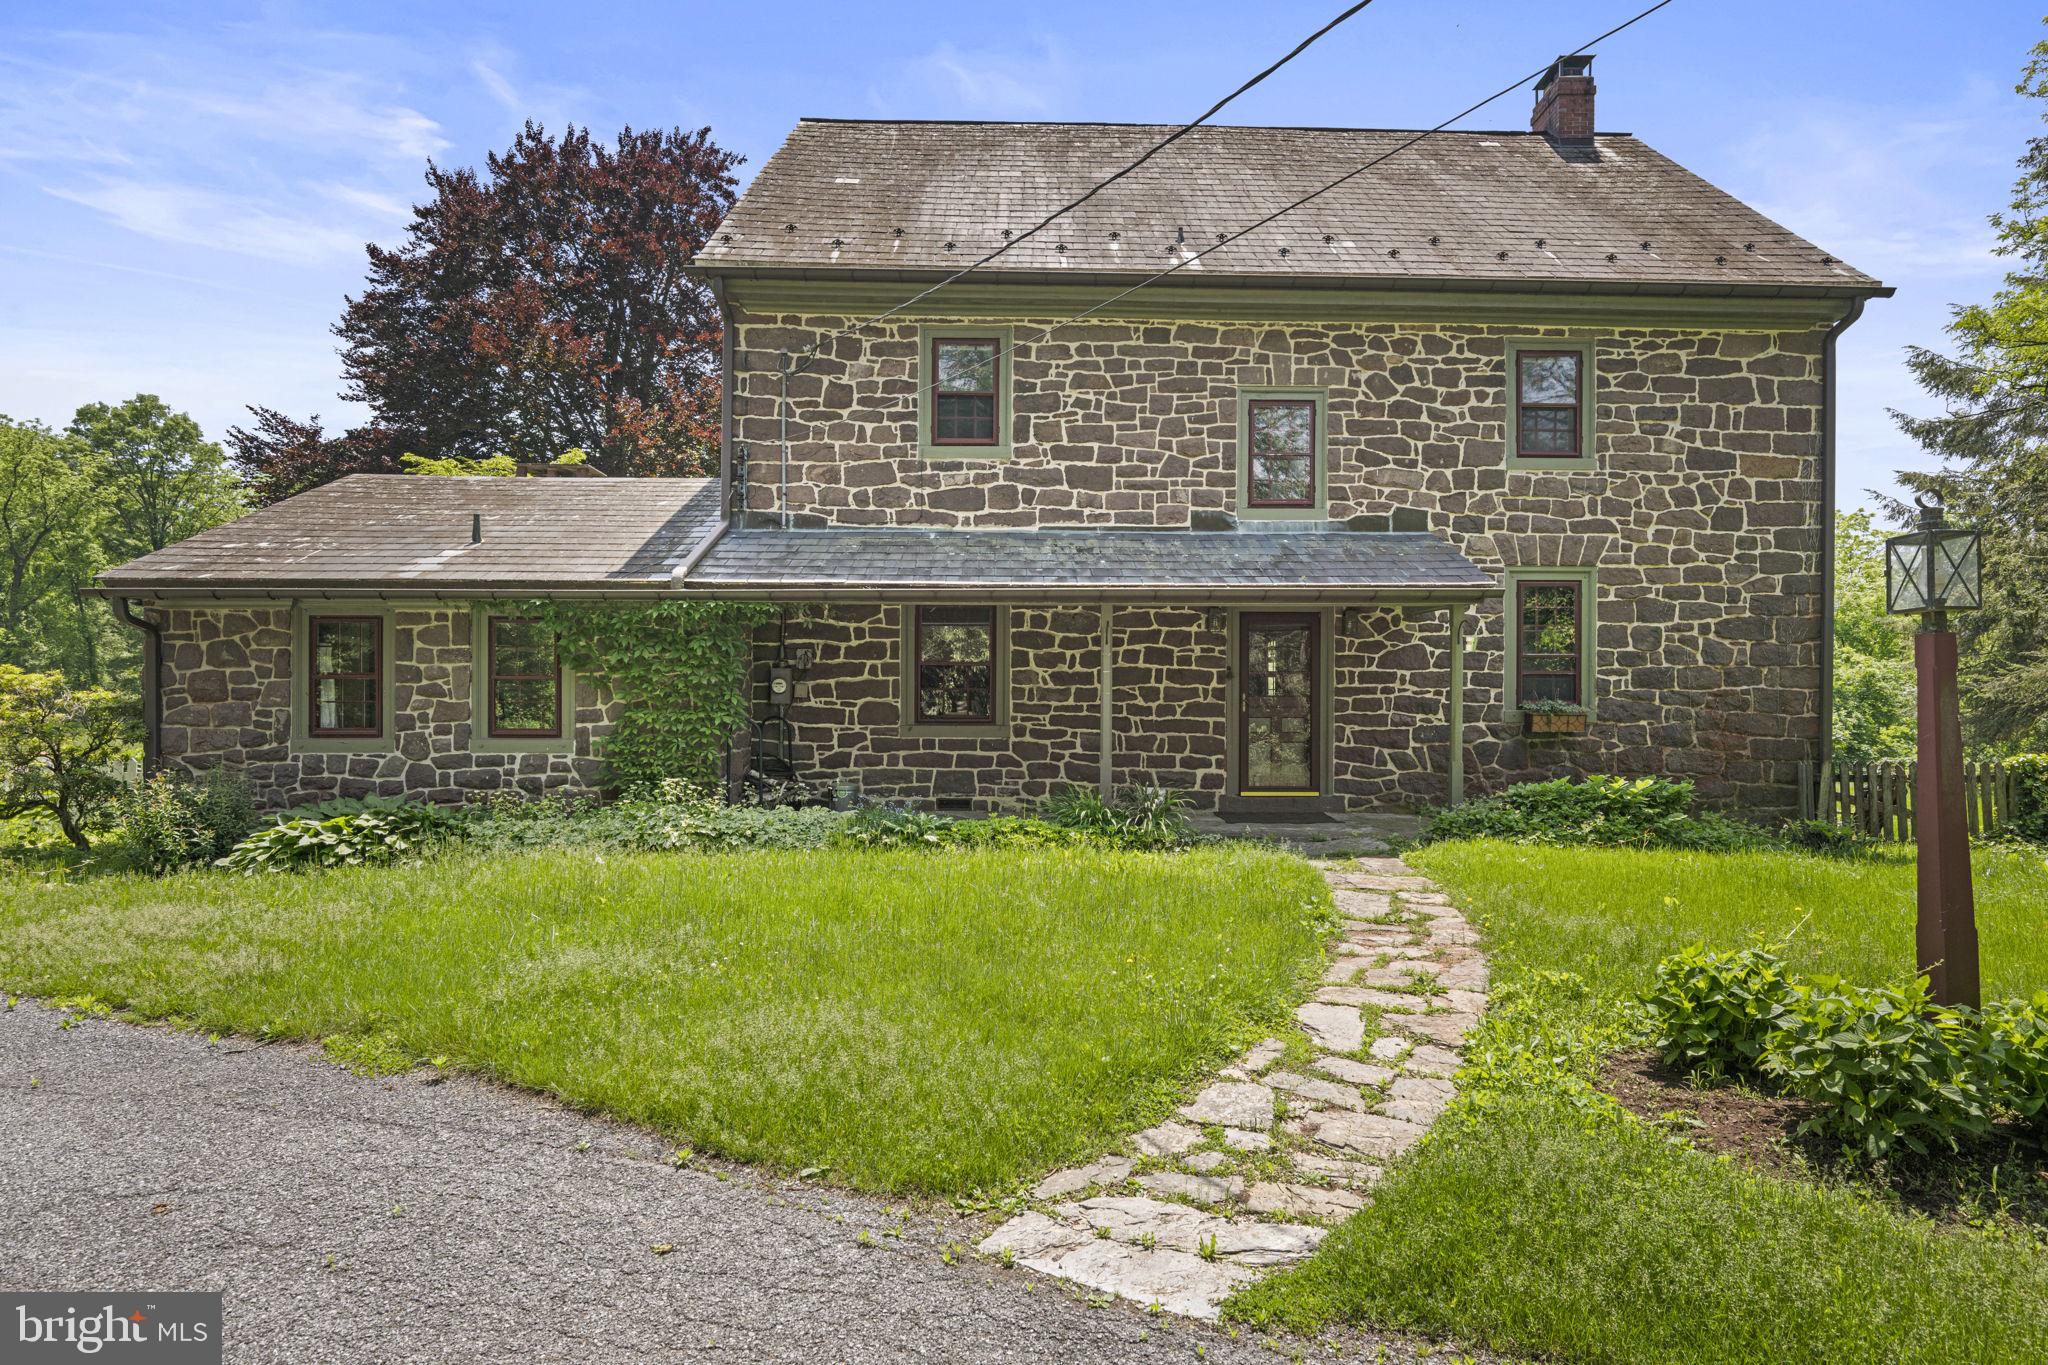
{"x": 1611, "y": 915}
{"x": 913, "y": 1022}
{"x": 1536, "y": 1221}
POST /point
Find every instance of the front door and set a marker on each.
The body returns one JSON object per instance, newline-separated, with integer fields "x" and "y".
{"x": 1277, "y": 704}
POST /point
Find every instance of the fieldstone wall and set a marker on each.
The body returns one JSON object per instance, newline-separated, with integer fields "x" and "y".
{"x": 227, "y": 677}
{"x": 1703, "y": 517}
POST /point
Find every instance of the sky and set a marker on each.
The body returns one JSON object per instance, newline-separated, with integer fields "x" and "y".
{"x": 186, "y": 189}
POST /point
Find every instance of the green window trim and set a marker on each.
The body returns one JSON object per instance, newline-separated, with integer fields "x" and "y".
{"x": 907, "y": 722}
{"x": 481, "y": 740}
{"x": 1588, "y": 580}
{"x": 1318, "y": 509}
{"x": 1588, "y": 457}
{"x": 303, "y": 740}
{"x": 1006, "y": 388}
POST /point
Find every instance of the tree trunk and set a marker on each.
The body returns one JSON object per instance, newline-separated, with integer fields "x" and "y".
{"x": 68, "y": 822}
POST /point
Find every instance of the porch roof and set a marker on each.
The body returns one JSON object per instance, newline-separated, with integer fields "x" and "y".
{"x": 1087, "y": 565}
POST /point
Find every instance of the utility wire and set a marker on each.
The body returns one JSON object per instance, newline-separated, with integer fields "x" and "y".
{"x": 1046, "y": 222}
{"x": 1314, "y": 195}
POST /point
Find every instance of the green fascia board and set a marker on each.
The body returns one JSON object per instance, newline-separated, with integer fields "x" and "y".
{"x": 1168, "y": 302}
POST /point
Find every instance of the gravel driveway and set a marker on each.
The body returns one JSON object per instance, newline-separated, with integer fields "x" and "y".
{"x": 350, "y": 1219}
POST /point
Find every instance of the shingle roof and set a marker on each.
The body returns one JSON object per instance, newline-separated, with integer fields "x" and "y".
{"x": 1184, "y": 565}
{"x": 1500, "y": 208}
{"x": 409, "y": 532}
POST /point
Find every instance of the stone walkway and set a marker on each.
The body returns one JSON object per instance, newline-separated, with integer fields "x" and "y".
{"x": 1288, "y": 1141}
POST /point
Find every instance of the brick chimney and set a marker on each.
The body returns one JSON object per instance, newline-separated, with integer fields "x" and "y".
{"x": 1564, "y": 101}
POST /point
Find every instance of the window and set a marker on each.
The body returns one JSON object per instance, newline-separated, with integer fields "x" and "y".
{"x": 524, "y": 692}
{"x": 955, "y": 650}
{"x": 1548, "y": 404}
{"x": 1549, "y": 653}
{"x": 346, "y": 677}
{"x": 1283, "y": 452}
{"x": 966, "y": 391}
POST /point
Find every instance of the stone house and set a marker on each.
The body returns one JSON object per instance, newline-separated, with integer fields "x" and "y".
{"x": 1507, "y": 455}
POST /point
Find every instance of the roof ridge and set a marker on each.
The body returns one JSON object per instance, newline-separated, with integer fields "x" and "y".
{"x": 1218, "y": 127}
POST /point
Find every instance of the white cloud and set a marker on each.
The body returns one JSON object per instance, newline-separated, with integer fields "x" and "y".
{"x": 196, "y": 216}
{"x": 997, "y": 83}
{"x": 496, "y": 69}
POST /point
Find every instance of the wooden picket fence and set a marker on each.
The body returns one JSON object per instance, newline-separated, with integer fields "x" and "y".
{"x": 1876, "y": 797}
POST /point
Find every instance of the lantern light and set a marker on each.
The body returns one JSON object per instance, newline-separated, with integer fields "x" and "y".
{"x": 1936, "y": 568}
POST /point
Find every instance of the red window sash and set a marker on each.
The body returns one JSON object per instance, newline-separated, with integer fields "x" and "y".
{"x": 492, "y": 677}
{"x": 918, "y": 667}
{"x": 1523, "y": 673}
{"x": 315, "y": 677}
{"x": 993, "y": 394}
{"x": 1251, "y": 427}
{"x": 1573, "y": 407}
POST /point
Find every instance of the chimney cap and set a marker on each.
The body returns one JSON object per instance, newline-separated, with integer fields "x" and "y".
{"x": 1575, "y": 64}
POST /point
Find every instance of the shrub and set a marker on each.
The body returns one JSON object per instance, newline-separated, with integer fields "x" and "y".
{"x": 1718, "y": 1011}
{"x": 55, "y": 741}
{"x": 1643, "y": 812}
{"x": 170, "y": 822}
{"x": 888, "y": 827}
{"x": 344, "y": 840}
{"x": 1886, "y": 1066}
{"x": 2014, "y": 1053}
{"x": 2029, "y": 817}
{"x": 1139, "y": 817}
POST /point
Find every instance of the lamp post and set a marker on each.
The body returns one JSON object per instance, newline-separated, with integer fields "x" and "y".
{"x": 1932, "y": 571}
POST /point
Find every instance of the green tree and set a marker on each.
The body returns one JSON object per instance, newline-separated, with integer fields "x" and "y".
{"x": 1873, "y": 665}
{"x": 161, "y": 479}
{"x": 51, "y": 518}
{"x": 1992, "y": 440}
{"x": 55, "y": 741}
{"x": 489, "y": 466}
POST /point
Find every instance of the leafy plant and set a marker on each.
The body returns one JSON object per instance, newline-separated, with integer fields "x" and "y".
{"x": 1825, "y": 836}
{"x": 1717, "y": 1012}
{"x": 888, "y": 827}
{"x": 1886, "y": 1066}
{"x": 169, "y": 822}
{"x": 1139, "y": 817}
{"x": 1643, "y": 812}
{"x": 55, "y": 741}
{"x": 2029, "y": 816}
{"x": 348, "y": 840}
{"x": 679, "y": 671}
{"x": 2014, "y": 1054}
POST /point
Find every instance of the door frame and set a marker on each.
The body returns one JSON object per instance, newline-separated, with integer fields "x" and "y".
{"x": 1321, "y": 713}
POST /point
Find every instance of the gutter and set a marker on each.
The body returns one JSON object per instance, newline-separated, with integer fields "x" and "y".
{"x": 152, "y": 681}
{"x": 1828, "y": 405}
{"x": 1121, "y": 593}
{"x": 281, "y": 591}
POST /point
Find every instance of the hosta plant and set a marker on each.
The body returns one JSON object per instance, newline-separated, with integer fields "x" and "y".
{"x": 337, "y": 841}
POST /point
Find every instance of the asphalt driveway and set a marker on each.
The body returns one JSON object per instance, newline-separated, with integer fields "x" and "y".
{"x": 351, "y": 1219}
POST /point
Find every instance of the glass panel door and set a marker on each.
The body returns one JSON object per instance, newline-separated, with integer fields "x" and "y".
{"x": 1277, "y": 704}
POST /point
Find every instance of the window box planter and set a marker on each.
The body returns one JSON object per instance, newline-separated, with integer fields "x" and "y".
{"x": 1554, "y": 722}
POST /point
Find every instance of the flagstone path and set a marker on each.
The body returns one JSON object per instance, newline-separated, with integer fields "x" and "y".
{"x": 1286, "y": 1142}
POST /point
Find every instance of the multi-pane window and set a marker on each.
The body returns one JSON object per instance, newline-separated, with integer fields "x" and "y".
{"x": 966, "y": 391}
{"x": 1548, "y": 653}
{"x": 1283, "y": 452}
{"x": 524, "y": 680}
{"x": 956, "y": 650}
{"x": 346, "y": 679}
{"x": 1547, "y": 404}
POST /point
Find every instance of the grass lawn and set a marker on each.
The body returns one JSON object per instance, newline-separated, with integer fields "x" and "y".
{"x": 912, "y": 1021}
{"x": 1539, "y": 1221}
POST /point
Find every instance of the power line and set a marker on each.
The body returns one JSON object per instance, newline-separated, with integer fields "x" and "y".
{"x": 1316, "y": 194}
{"x": 1046, "y": 222}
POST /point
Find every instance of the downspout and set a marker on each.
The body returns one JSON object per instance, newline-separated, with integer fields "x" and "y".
{"x": 782, "y": 479}
{"x": 152, "y": 681}
{"x": 1105, "y": 777}
{"x": 1827, "y": 542}
{"x": 726, "y": 378}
